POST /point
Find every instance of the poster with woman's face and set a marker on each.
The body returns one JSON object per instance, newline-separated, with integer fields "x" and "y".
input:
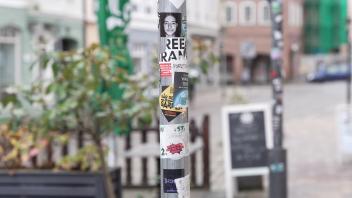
{"x": 170, "y": 24}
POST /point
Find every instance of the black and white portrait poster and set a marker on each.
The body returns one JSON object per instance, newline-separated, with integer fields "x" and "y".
{"x": 170, "y": 24}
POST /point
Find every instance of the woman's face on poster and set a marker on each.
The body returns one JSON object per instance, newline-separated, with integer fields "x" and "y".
{"x": 170, "y": 25}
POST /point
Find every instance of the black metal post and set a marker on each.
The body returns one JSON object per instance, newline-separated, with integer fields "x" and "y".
{"x": 277, "y": 155}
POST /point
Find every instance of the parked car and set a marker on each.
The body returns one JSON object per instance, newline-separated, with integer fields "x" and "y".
{"x": 325, "y": 73}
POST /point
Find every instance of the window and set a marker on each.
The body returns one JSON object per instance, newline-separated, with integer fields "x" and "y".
{"x": 134, "y": 8}
{"x": 299, "y": 15}
{"x": 137, "y": 64}
{"x": 295, "y": 14}
{"x": 291, "y": 15}
{"x": 230, "y": 17}
{"x": 7, "y": 73}
{"x": 263, "y": 13}
{"x": 229, "y": 14}
{"x": 148, "y": 10}
{"x": 9, "y": 57}
{"x": 266, "y": 14}
{"x": 247, "y": 11}
{"x": 139, "y": 58}
{"x": 66, "y": 44}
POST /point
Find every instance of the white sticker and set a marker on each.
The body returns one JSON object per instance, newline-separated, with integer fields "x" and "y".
{"x": 275, "y": 53}
{"x": 177, "y": 3}
{"x": 278, "y": 18}
{"x": 179, "y": 66}
{"x": 277, "y": 35}
{"x": 175, "y": 50}
{"x": 278, "y": 109}
{"x": 183, "y": 187}
{"x": 277, "y": 84}
{"x": 174, "y": 141}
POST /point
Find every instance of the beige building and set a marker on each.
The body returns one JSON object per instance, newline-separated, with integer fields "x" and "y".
{"x": 90, "y": 19}
{"x": 247, "y": 32}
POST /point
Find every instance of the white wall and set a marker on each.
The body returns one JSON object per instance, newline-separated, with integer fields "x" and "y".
{"x": 13, "y": 3}
{"x": 66, "y": 8}
{"x": 201, "y": 13}
{"x": 144, "y": 15}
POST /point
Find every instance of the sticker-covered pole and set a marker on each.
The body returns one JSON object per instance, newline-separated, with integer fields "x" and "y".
{"x": 277, "y": 155}
{"x": 173, "y": 100}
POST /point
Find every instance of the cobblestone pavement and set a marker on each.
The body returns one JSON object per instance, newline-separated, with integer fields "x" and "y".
{"x": 194, "y": 194}
{"x": 310, "y": 137}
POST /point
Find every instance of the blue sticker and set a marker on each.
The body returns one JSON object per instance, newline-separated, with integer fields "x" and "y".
{"x": 277, "y": 168}
{"x": 169, "y": 179}
{"x": 181, "y": 89}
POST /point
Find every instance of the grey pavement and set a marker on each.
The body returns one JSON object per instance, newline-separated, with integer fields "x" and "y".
{"x": 310, "y": 136}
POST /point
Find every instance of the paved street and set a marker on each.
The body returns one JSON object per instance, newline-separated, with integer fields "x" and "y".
{"x": 310, "y": 137}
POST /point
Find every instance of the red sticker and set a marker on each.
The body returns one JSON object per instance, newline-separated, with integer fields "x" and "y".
{"x": 175, "y": 148}
{"x": 165, "y": 69}
{"x": 273, "y": 74}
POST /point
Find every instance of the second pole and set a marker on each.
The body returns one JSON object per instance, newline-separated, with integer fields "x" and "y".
{"x": 277, "y": 155}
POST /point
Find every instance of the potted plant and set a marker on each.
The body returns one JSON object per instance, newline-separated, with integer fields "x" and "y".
{"x": 75, "y": 99}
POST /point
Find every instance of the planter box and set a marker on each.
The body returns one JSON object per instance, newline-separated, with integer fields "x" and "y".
{"x": 47, "y": 184}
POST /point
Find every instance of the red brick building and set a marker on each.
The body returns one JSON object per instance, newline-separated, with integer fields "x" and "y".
{"x": 247, "y": 30}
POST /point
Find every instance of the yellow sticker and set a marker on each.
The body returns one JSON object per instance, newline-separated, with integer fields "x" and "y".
{"x": 166, "y": 101}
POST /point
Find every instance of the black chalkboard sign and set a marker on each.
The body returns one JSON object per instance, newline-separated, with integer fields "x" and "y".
{"x": 248, "y": 139}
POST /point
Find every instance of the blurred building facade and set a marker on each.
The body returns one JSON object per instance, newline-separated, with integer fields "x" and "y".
{"x": 247, "y": 40}
{"x": 324, "y": 26}
{"x": 143, "y": 32}
{"x": 143, "y": 35}
{"x": 223, "y": 27}
{"x": 30, "y": 27}
{"x": 349, "y": 3}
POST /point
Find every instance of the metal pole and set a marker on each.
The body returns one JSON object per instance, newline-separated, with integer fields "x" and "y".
{"x": 277, "y": 155}
{"x": 348, "y": 62}
{"x": 173, "y": 100}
